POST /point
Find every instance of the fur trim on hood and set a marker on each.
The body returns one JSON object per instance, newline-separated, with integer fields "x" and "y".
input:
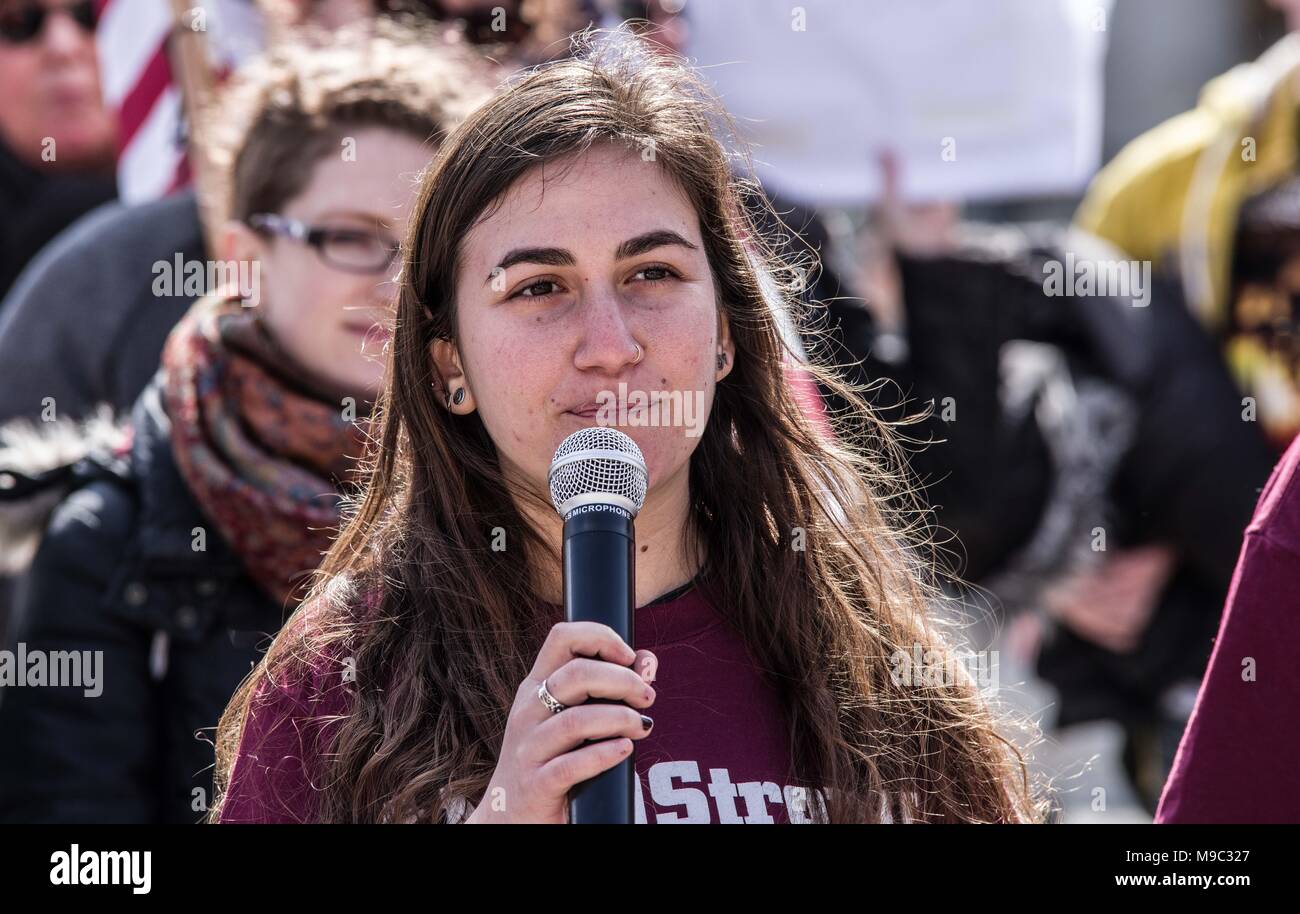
{"x": 36, "y": 463}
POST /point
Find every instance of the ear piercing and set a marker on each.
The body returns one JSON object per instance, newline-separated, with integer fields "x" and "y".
{"x": 722, "y": 360}
{"x": 458, "y": 397}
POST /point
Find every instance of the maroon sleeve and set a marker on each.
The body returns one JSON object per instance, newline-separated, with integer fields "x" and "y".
{"x": 1236, "y": 762}
{"x": 277, "y": 772}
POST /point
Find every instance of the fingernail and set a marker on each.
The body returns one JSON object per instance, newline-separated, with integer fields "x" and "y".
{"x": 646, "y": 722}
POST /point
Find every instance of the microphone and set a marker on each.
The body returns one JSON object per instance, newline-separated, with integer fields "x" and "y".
{"x": 598, "y": 484}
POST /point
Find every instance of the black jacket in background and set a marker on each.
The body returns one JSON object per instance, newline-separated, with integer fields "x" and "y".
{"x": 1189, "y": 478}
{"x": 987, "y": 475}
{"x": 179, "y": 629}
{"x": 35, "y": 206}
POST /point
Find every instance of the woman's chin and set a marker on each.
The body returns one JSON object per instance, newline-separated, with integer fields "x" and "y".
{"x": 363, "y": 382}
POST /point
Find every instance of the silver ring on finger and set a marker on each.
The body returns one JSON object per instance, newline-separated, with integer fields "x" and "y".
{"x": 548, "y": 699}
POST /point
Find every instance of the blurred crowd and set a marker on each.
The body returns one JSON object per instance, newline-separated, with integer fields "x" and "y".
{"x": 1091, "y": 453}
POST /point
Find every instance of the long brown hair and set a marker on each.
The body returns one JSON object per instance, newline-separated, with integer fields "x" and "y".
{"x": 814, "y": 548}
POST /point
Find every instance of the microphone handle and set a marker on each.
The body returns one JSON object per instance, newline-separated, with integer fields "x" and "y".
{"x": 600, "y": 586}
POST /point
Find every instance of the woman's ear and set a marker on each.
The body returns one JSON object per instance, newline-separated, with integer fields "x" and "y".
{"x": 237, "y": 242}
{"x": 451, "y": 373}
{"x": 726, "y": 349}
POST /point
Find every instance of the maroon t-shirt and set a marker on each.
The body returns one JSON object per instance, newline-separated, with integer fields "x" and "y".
{"x": 1237, "y": 758}
{"x": 719, "y": 751}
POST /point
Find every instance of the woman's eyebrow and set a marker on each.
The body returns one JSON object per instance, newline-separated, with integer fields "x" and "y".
{"x": 559, "y": 257}
{"x": 551, "y": 257}
{"x": 648, "y": 242}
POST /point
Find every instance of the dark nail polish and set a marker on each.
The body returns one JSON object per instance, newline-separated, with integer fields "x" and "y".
{"x": 647, "y": 722}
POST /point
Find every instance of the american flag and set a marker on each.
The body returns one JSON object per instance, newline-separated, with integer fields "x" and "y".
{"x": 140, "y": 81}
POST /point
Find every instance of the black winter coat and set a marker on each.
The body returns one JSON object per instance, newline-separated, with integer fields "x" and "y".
{"x": 117, "y": 572}
{"x": 1189, "y": 477}
{"x": 36, "y": 205}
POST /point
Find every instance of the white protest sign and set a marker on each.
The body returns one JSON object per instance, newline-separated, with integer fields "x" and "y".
{"x": 978, "y": 99}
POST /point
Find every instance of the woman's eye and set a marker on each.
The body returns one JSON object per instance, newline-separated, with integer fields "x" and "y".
{"x": 655, "y": 274}
{"x": 537, "y": 289}
{"x": 352, "y": 238}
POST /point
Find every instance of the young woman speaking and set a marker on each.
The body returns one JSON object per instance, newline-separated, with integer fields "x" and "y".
{"x": 581, "y": 231}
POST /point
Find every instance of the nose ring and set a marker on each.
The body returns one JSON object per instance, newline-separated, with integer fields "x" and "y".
{"x": 640, "y": 354}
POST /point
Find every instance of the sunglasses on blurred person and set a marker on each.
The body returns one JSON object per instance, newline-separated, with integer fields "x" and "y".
{"x": 347, "y": 249}
{"x": 23, "y": 22}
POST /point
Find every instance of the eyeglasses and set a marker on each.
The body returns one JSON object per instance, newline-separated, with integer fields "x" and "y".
{"x": 347, "y": 249}
{"x": 22, "y": 23}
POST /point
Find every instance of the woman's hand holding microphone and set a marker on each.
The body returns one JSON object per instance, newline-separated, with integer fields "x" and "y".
{"x": 544, "y": 753}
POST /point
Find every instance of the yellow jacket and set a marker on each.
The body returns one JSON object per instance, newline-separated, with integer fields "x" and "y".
{"x": 1172, "y": 195}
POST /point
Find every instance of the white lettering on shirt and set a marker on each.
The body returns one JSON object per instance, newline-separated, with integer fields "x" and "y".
{"x": 674, "y": 802}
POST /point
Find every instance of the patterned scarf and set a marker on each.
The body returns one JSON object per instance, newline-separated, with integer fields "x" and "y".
{"x": 263, "y": 447}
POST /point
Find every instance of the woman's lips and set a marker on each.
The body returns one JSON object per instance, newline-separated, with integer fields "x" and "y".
{"x": 611, "y": 409}
{"x": 373, "y": 331}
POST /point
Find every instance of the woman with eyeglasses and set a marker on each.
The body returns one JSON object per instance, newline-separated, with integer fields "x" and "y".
{"x": 56, "y": 136}
{"x": 175, "y": 559}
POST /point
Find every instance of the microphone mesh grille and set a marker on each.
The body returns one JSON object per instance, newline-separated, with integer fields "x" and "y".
{"x": 618, "y": 470}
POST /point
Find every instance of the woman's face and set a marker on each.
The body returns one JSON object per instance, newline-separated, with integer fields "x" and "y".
{"x": 555, "y": 291}
{"x": 52, "y": 92}
{"x": 332, "y": 321}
